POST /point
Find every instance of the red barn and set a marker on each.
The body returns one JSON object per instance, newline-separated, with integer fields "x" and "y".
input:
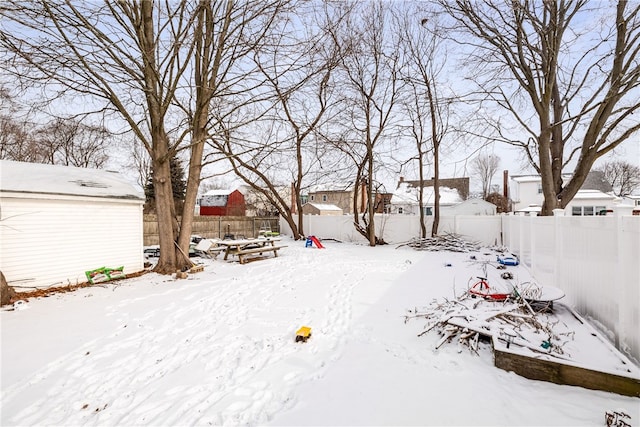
{"x": 222, "y": 203}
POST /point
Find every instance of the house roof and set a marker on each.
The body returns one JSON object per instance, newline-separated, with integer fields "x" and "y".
{"x": 460, "y": 184}
{"x": 592, "y": 195}
{"x": 478, "y": 201}
{"x": 408, "y": 194}
{"x": 595, "y": 180}
{"x": 531, "y": 208}
{"x": 324, "y": 206}
{"x": 36, "y": 178}
{"x": 331, "y": 187}
{"x": 218, "y": 192}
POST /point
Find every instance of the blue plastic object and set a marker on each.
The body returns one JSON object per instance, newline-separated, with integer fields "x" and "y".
{"x": 508, "y": 260}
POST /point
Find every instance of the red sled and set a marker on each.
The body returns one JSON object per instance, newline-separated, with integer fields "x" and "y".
{"x": 482, "y": 289}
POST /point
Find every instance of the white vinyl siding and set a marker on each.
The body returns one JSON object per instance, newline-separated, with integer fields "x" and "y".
{"x": 52, "y": 240}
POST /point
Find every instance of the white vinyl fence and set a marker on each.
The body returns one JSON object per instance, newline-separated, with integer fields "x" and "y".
{"x": 396, "y": 229}
{"x": 594, "y": 260}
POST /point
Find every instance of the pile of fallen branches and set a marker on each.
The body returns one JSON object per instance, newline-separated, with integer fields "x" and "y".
{"x": 445, "y": 242}
{"x": 513, "y": 322}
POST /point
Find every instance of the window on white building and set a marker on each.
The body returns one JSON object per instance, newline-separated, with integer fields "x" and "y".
{"x": 540, "y": 188}
{"x": 587, "y": 210}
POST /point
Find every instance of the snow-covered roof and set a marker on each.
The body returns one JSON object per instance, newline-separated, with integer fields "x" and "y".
{"x": 36, "y": 178}
{"x": 531, "y": 208}
{"x": 335, "y": 186}
{"x": 218, "y": 192}
{"x": 534, "y": 178}
{"x": 408, "y": 195}
{"x": 325, "y": 206}
{"x": 478, "y": 202}
{"x": 592, "y": 195}
{"x": 526, "y": 178}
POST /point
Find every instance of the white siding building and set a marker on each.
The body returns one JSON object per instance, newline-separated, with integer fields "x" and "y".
{"x": 473, "y": 207}
{"x": 57, "y": 222}
{"x": 594, "y": 196}
{"x": 321, "y": 209}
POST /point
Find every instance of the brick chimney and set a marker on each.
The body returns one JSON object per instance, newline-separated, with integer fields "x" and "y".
{"x": 505, "y": 184}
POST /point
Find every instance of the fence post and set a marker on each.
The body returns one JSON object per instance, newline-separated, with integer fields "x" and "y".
{"x": 620, "y": 281}
{"x": 558, "y": 255}
{"x": 520, "y": 237}
{"x": 532, "y": 245}
{"x": 507, "y": 230}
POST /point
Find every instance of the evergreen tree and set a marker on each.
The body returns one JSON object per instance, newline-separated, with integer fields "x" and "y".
{"x": 178, "y": 185}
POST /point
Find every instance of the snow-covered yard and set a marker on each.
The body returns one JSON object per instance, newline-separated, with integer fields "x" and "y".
{"x": 218, "y": 348}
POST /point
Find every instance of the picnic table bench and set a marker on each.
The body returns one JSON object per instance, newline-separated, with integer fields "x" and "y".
{"x": 209, "y": 248}
{"x": 244, "y": 247}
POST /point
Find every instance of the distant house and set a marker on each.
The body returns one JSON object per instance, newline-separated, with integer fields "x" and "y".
{"x": 526, "y": 192}
{"x": 321, "y": 209}
{"x": 459, "y": 184}
{"x": 257, "y": 204}
{"x": 339, "y": 195}
{"x": 383, "y": 202}
{"x": 473, "y": 207}
{"x": 343, "y": 195}
{"x": 405, "y": 199}
{"x": 594, "y": 196}
{"x": 454, "y": 193}
{"x": 222, "y": 203}
{"x": 531, "y": 210}
{"x": 633, "y": 200}
{"x": 590, "y": 202}
{"x": 58, "y": 222}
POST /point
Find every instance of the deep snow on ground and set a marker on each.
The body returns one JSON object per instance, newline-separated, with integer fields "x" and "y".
{"x": 218, "y": 348}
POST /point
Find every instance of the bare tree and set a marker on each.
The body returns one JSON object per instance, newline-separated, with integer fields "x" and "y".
{"x": 225, "y": 33}
{"x": 484, "y": 167}
{"x": 623, "y": 176}
{"x": 15, "y": 132}
{"x": 370, "y": 64}
{"x": 138, "y": 160}
{"x": 567, "y": 80}
{"x": 298, "y": 70}
{"x": 141, "y": 62}
{"x": 426, "y": 108}
{"x": 131, "y": 56}
{"x": 70, "y": 142}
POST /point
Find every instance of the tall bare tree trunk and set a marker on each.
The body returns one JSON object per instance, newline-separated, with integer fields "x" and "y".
{"x": 165, "y": 207}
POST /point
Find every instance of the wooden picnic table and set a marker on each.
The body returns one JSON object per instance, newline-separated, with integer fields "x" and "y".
{"x": 244, "y": 247}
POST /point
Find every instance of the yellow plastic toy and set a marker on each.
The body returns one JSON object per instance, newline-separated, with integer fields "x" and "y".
{"x": 303, "y": 334}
